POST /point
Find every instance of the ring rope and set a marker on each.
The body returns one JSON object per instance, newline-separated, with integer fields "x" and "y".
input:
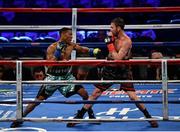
{"x": 93, "y": 10}
{"x": 45, "y": 44}
{"x": 145, "y": 26}
{"x": 103, "y": 62}
{"x": 129, "y": 9}
{"x": 68, "y": 82}
{"x": 84, "y": 120}
{"x": 98, "y": 27}
{"x": 92, "y": 62}
{"x": 79, "y": 62}
{"x": 92, "y": 102}
{"x": 65, "y": 82}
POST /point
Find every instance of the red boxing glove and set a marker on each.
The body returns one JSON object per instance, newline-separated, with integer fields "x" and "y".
{"x": 111, "y": 47}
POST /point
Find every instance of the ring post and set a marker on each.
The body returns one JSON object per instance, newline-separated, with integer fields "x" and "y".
{"x": 165, "y": 89}
{"x": 74, "y": 30}
{"x": 19, "y": 90}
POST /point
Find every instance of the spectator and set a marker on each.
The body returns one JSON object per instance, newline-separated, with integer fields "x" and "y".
{"x": 39, "y": 73}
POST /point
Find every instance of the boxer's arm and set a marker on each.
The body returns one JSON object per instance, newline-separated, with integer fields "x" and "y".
{"x": 50, "y": 53}
{"x": 81, "y": 49}
{"x": 121, "y": 54}
{"x": 86, "y": 50}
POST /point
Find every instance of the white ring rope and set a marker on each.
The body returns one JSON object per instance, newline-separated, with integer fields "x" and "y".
{"x": 89, "y": 82}
{"x": 87, "y": 120}
{"x": 69, "y": 82}
{"x": 97, "y": 27}
{"x": 93, "y": 82}
{"x": 101, "y": 120}
{"x": 143, "y": 26}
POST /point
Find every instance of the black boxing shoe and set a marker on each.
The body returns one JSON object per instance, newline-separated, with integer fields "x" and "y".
{"x": 154, "y": 124}
{"x": 78, "y": 115}
{"x": 92, "y": 116}
{"x": 16, "y": 124}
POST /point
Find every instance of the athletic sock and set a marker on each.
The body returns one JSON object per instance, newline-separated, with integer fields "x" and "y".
{"x": 146, "y": 113}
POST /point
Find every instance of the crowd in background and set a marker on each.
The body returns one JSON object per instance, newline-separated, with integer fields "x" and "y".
{"x": 86, "y": 3}
{"x": 86, "y": 36}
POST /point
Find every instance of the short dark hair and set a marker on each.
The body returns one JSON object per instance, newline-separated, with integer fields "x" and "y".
{"x": 64, "y": 29}
{"x": 39, "y": 69}
{"x": 118, "y": 21}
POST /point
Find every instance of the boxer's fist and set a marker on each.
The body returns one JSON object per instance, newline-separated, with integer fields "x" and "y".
{"x": 94, "y": 51}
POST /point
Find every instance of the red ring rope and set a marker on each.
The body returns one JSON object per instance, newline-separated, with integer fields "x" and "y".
{"x": 90, "y": 62}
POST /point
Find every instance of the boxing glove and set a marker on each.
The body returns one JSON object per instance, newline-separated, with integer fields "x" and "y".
{"x": 110, "y": 43}
{"x": 59, "y": 48}
{"x": 94, "y": 51}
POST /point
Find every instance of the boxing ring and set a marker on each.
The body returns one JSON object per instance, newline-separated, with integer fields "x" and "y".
{"x": 108, "y": 99}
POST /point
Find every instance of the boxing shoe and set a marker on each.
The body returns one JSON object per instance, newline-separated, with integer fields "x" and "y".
{"x": 78, "y": 115}
{"x": 16, "y": 124}
{"x": 92, "y": 116}
{"x": 154, "y": 124}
